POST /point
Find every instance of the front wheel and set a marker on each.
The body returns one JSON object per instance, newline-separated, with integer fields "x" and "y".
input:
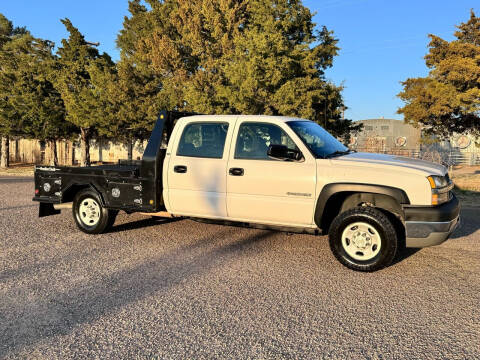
{"x": 363, "y": 239}
{"x": 89, "y": 215}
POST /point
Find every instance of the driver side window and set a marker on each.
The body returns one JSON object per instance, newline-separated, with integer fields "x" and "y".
{"x": 254, "y": 139}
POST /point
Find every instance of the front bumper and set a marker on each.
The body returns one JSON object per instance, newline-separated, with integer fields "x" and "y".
{"x": 428, "y": 226}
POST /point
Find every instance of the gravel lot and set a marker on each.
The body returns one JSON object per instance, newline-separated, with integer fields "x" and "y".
{"x": 181, "y": 289}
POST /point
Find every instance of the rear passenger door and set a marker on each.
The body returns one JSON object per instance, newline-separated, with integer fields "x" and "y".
{"x": 197, "y": 169}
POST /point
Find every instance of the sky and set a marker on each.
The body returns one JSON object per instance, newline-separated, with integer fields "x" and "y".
{"x": 383, "y": 42}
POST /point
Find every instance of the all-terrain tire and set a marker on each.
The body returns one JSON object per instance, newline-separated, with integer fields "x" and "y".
{"x": 363, "y": 239}
{"x": 89, "y": 214}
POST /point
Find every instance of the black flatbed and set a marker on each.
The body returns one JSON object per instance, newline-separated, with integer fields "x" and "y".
{"x": 129, "y": 185}
{"x": 106, "y": 169}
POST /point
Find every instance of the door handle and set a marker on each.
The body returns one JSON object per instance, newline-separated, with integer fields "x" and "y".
{"x": 236, "y": 171}
{"x": 181, "y": 169}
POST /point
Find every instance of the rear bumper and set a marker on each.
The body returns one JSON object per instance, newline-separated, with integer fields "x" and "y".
{"x": 47, "y": 199}
{"x": 428, "y": 226}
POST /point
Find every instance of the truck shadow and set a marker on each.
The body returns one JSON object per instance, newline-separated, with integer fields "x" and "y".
{"x": 61, "y": 312}
{"x": 403, "y": 254}
{"x": 469, "y": 224}
{"x": 18, "y": 207}
{"x": 144, "y": 223}
{"x": 14, "y": 180}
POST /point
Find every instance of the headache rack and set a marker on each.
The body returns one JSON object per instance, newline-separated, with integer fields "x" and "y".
{"x": 152, "y": 156}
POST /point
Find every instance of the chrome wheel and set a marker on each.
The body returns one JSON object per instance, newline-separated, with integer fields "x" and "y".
{"x": 361, "y": 241}
{"x": 89, "y": 211}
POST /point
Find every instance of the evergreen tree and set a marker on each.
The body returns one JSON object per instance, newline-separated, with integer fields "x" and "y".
{"x": 137, "y": 87}
{"x": 37, "y": 103}
{"x": 447, "y": 101}
{"x": 80, "y": 80}
{"x": 234, "y": 56}
{"x": 9, "y": 118}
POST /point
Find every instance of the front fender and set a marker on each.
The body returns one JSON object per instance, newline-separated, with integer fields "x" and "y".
{"x": 330, "y": 190}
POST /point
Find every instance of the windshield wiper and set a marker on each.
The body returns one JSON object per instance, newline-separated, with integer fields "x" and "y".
{"x": 339, "y": 153}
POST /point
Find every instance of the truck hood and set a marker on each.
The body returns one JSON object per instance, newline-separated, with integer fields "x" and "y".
{"x": 372, "y": 159}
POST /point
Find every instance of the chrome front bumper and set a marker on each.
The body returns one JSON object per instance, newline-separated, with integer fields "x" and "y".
{"x": 425, "y": 233}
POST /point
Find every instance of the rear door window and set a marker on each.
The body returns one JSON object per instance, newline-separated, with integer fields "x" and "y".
{"x": 203, "y": 140}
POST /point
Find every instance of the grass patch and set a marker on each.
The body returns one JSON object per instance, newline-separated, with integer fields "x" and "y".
{"x": 467, "y": 185}
{"x": 17, "y": 170}
{"x": 467, "y": 190}
{"x": 467, "y": 182}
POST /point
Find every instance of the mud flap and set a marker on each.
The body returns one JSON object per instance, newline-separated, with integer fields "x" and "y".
{"x": 47, "y": 209}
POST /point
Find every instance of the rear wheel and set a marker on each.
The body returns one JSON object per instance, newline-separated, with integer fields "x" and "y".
{"x": 89, "y": 215}
{"x": 363, "y": 239}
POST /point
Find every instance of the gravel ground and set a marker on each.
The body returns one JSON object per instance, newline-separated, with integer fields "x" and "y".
{"x": 181, "y": 289}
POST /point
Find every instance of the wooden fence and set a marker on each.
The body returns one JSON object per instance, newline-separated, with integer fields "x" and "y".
{"x": 27, "y": 151}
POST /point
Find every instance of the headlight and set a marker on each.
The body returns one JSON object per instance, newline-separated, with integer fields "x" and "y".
{"x": 441, "y": 187}
{"x": 437, "y": 182}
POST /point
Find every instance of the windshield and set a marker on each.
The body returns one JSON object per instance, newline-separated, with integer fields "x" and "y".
{"x": 318, "y": 140}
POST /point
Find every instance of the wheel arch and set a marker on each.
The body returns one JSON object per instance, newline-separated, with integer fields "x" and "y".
{"x": 74, "y": 188}
{"x": 339, "y": 197}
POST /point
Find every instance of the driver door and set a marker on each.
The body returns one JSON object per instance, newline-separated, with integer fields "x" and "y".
{"x": 264, "y": 190}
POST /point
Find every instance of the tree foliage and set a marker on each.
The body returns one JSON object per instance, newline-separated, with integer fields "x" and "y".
{"x": 447, "y": 101}
{"x": 82, "y": 80}
{"x": 138, "y": 85}
{"x": 38, "y": 103}
{"x": 215, "y": 57}
{"x": 30, "y": 105}
{"x": 9, "y": 120}
{"x": 232, "y": 56}
{"x": 10, "y": 45}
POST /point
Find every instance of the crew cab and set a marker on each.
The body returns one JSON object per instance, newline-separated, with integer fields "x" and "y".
{"x": 270, "y": 172}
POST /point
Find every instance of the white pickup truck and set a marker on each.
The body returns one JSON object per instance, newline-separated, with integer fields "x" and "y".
{"x": 270, "y": 172}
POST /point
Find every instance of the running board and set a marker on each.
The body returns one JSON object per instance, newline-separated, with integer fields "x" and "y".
{"x": 281, "y": 228}
{"x": 163, "y": 214}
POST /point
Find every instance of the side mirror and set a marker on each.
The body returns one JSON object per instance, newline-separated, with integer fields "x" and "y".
{"x": 281, "y": 152}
